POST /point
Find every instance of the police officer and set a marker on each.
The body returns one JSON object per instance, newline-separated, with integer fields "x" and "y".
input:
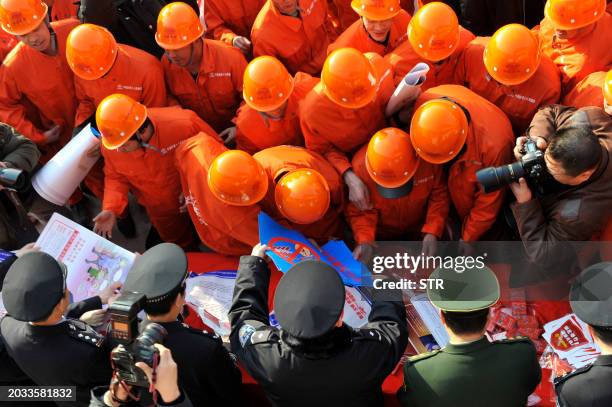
{"x": 470, "y": 371}
{"x": 207, "y": 373}
{"x": 591, "y": 301}
{"x": 50, "y": 348}
{"x": 314, "y": 359}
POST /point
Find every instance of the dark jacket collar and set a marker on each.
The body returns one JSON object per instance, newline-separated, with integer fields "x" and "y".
{"x": 467, "y": 347}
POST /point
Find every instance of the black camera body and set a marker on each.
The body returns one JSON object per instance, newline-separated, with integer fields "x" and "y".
{"x": 531, "y": 166}
{"x": 133, "y": 347}
{"x": 13, "y": 178}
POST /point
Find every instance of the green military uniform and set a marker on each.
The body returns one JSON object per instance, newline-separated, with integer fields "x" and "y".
{"x": 475, "y": 374}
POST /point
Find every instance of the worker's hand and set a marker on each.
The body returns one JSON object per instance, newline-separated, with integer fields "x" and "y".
{"x": 242, "y": 43}
{"x": 29, "y": 248}
{"x": 358, "y": 191}
{"x": 430, "y": 245}
{"x": 259, "y": 250}
{"x": 520, "y": 142}
{"x": 167, "y": 375}
{"x": 364, "y": 252}
{"x": 104, "y": 223}
{"x": 229, "y": 137}
{"x": 110, "y": 293}
{"x": 182, "y": 204}
{"x": 521, "y": 191}
{"x": 94, "y": 317}
{"x": 52, "y": 135}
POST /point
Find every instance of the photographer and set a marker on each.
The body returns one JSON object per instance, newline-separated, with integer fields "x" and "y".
{"x": 576, "y": 202}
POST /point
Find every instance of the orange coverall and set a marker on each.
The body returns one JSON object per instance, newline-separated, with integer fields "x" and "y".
{"x": 578, "y": 57}
{"x": 7, "y": 43}
{"x": 519, "y": 102}
{"x": 300, "y": 43}
{"x": 254, "y": 131}
{"x": 403, "y": 59}
{"x": 216, "y": 92}
{"x": 228, "y": 18}
{"x": 135, "y": 73}
{"x": 151, "y": 175}
{"x": 489, "y": 143}
{"x": 278, "y": 160}
{"x": 226, "y": 229}
{"x": 587, "y": 92}
{"x": 62, "y": 9}
{"x": 357, "y": 37}
{"x": 423, "y": 210}
{"x": 35, "y": 106}
{"x": 336, "y": 132}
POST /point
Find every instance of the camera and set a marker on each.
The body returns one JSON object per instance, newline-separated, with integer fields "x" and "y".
{"x": 531, "y": 167}
{"x": 133, "y": 347}
{"x": 13, "y": 178}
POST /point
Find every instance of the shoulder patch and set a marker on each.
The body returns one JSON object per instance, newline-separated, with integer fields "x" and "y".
{"x": 245, "y": 333}
{"x": 79, "y": 330}
{"x": 264, "y": 335}
{"x": 516, "y": 339}
{"x": 562, "y": 379}
{"x": 422, "y": 356}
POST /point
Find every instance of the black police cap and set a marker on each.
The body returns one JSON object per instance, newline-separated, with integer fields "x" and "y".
{"x": 158, "y": 272}
{"x": 591, "y": 295}
{"x": 309, "y": 299}
{"x": 33, "y": 286}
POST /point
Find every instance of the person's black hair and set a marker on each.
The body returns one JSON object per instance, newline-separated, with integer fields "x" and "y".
{"x": 577, "y": 149}
{"x": 603, "y": 333}
{"x": 163, "y": 307}
{"x": 464, "y": 323}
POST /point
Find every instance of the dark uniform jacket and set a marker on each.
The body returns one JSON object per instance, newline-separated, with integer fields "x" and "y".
{"x": 70, "y": 353}
{"x": 590, "y": 386}
{"x": 477, "y": 374}
{"x": 348, "y": 372}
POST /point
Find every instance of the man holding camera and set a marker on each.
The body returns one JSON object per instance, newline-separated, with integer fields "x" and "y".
{"x": 208, "y": 374}
{"x": 576, "y": 198}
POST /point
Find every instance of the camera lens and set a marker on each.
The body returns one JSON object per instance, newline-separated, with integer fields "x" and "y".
{"x": 152, "y": 334}
{"x": 494, "y": 178}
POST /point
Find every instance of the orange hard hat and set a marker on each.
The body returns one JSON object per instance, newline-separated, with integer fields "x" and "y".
{"x": 20, "y": 17}
{"x": 91, "y": 51}
{"x": 302, "y": 196}
{"x": 178, "y": 25}
{"x": 382, "y": 67}
{"x": 438, "y": 130}
{"x": 391, "y": 162}
{"x": 236, "y": 178}
{"x": 607, "y": 88}
{"x": 512, "y": 55}
{"x": 348, "y": 78}
{"x": 573, "y": 14}
{"x": 118, "y": 117}
{"x": 376, "y": 9}
{"x": 433, "y": 31}
{"x": 267, "y": 84}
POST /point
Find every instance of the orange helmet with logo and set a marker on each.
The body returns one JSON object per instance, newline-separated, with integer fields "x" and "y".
{"x": 20, "y": 17}
{"x": 236, "y": 178}
{"x": 118, "y": 117}
{"x": 607, "y": 88}
{"x": 348, "y": 78}
{"x": 302, "y": 196}
{"x": 433, "y": 31}
{"x": 512, "y": 55}
{"x": 438, "y": 130}
{"x": 267, "y": 84}
{"x": 178, "y": 25}
{"x": 391, "y": 162}
{"x": 573, "y": 14}
{"x": 91, "y": 51}
{"x": 376, "y": 9}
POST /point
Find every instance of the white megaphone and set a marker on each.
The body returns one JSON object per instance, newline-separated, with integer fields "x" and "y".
{"x": 57, "y": 179}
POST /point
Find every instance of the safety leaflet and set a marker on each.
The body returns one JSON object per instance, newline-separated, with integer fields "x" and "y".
{"x": 570, "y": 340}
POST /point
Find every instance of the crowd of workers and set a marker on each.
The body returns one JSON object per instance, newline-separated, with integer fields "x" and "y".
{"x": 211, "y": 112}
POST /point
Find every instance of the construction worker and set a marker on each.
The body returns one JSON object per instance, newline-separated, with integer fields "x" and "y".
{"x": 36, "y": 108}
{"x": 454, "y": 126}
{"x": 571, "y": 34}
{"x": 138, "y": 146}
{"x": 589, "y": 91}
{"x": 231, "y": 21}
{"x": 222, "y": 206}
{"x": 381, "y": 28}
{"x": 204, "y": 75}
{"x": 305, "y": 192}
{"x": 270, "y": 116}
{"x": 7, "y": 43}
{"x": 434, "y": 37}
{"x": 508, "y": 70}
{"x": 409, "y": 195}
{"x": 296, "y": 32}
{"x": 103, "y": 67}
{"x": 341, "y": 113}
